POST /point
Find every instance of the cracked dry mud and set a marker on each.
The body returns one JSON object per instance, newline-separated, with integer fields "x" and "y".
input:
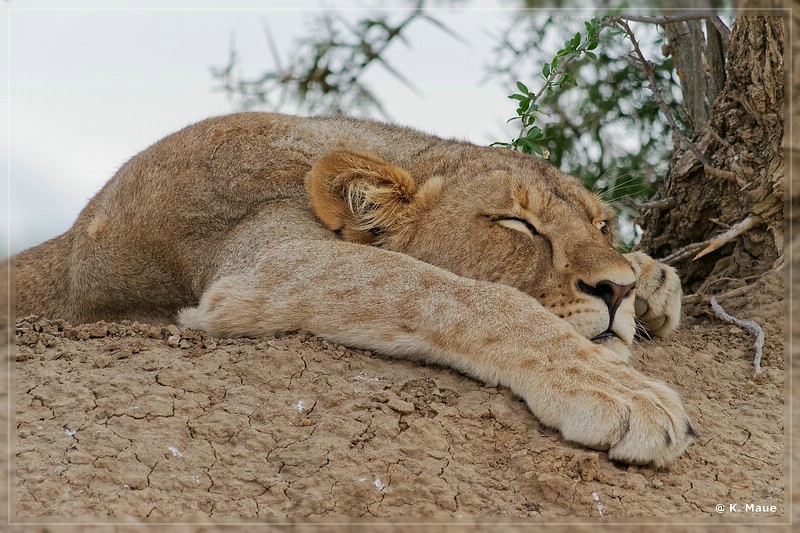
{"x": 127, "y": 419}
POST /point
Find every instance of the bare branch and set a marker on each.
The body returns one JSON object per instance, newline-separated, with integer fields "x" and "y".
{"x": 724, "y": 31}
{"x": 737, "y": 229}
{"x": 684, "y": 252}
{"x": 725, "y": 174}
{"x": 662, "y": 203}
{"x": 671, "y": 19}
{"x": 648, "y": 69}
{"x": 750, "y": 326}
{"x": 709, "y": 245}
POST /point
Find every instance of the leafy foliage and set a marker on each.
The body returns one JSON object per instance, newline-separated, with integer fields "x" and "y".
{"x": 555, "y": 76}
{"x": 602, "y": 123}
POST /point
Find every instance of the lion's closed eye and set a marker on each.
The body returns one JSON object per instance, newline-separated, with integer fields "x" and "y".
{"x": 518, "y": 224}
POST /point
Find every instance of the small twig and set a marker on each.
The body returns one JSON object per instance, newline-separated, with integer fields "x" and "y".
{"x": 718, "y": 138}
{"x": 709, "y": 245}
{"x": 737, "y": 229}
{"x": 662, "y": 203}
{"x": 750, "y": 326}
{"x": 684, "y": 252}
{"x": 720, "y": 223}
{"x": 651, "y": 77}
{"x": 725, "y": 174}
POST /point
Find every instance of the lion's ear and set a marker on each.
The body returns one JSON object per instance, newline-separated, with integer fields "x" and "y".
{"x": 359, "y": 196}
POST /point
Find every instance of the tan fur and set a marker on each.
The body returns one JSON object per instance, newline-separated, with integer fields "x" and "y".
{"x": 382, "y": 238}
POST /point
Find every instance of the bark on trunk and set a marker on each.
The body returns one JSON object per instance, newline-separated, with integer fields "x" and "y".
{"x": 744, "y": 141}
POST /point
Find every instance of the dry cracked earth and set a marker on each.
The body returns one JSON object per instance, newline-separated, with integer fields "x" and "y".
{"x": 119, "y": 422}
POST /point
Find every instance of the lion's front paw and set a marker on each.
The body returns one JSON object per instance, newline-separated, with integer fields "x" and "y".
{"x": 658, "y": 294}
{"x": 638, "y": 420}
{"x": 657, "y": 429}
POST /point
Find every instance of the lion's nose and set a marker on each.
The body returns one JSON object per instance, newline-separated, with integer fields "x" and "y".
{"x": 608, "y": 291}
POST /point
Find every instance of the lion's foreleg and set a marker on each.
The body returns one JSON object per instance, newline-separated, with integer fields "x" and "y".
{"x": 390, "y": 303}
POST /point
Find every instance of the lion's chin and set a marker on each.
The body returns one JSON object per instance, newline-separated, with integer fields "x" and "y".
{"x": 613, "y": 343}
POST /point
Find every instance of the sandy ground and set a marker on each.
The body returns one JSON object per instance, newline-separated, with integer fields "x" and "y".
{"x": 131, "y": 420}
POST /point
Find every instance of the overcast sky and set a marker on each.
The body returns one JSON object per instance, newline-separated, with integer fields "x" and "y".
{"x": 91, "y": 83}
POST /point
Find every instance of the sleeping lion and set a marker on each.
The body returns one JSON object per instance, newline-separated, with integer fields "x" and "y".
{"x": 381, "y": 238}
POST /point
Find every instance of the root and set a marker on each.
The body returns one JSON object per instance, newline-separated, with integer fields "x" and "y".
{"x": 750, "y": 326}
{"x": 701, "y": 296}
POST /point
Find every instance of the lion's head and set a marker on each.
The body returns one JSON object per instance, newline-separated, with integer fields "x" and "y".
{"x": 508, "y": 219}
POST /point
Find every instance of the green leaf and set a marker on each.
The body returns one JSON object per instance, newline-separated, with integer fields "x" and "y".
{"x": 546, "y": 70}
{"x": 554, "y": 63}
{"x": 534, "y": 133}
{"x": 521, "y": 86}
{"x": 517, "y": 97}
{"x": 590, "y": 55}
{"x": 529, "y": 146}
{"x": 592, "y": 45}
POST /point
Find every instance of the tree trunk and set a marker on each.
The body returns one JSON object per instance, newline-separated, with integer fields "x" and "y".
{"x": 742, "y": 191}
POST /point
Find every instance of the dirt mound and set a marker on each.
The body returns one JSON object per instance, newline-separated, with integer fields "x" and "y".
{"x": 129, "y": 419}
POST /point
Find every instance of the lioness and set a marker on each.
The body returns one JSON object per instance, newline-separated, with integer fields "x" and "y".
{"x": 382, "y": 238}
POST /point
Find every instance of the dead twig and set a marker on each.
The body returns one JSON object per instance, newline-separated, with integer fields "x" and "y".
{"x": 662, "y": 203}
{"x": 750, "y": 326}
{"x": 684, "y": 252}
{"x": 737, "y": 229}
{"x": 709, "y": 245}
{"x": 720, "y": 223}
{"x": 725, "y": 174}
{"x": 718, "y": 138}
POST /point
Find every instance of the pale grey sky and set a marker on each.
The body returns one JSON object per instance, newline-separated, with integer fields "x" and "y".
{"x": 94, "y": 82}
